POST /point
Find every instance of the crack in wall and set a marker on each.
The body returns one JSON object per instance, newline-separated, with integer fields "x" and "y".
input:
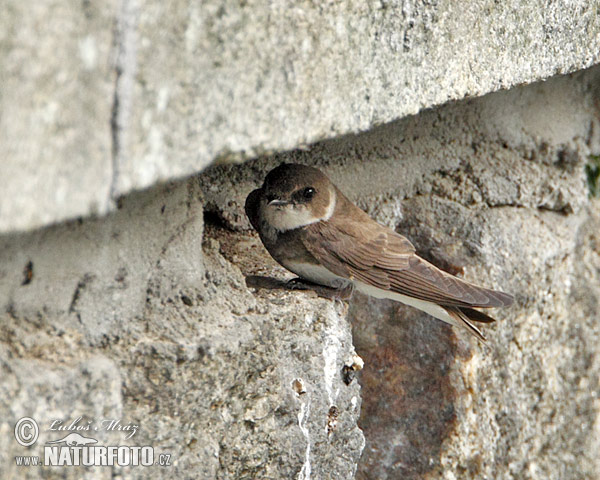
{"x": 306, "y": 470}
{"x": 125, "y": 45}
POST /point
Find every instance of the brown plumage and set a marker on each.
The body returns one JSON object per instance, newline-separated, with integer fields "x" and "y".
{"x": 351, "y": 246}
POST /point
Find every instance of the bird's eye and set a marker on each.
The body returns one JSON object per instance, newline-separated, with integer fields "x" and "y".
{"x": 308, "y": 193}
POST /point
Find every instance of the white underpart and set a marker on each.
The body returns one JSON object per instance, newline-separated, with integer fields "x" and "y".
{"x": 322, "y": 276}
{"x": 431, "y": 308}
{"x": 317, "y": 274}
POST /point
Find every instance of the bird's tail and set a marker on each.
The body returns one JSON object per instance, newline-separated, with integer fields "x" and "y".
{"x": 464, "y": 317}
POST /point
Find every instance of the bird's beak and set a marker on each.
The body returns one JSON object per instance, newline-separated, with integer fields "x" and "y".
{"x": 278, "y": 203}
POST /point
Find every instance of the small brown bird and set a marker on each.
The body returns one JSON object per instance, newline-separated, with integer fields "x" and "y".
{"x": 309, "y": 226}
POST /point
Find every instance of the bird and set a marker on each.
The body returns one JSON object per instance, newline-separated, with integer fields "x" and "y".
{"x": 313, "y": 230}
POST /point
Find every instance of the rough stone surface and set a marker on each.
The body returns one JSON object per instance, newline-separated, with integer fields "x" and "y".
{"x": 495, "y": 187}
{"x": 102, "y": 98}
{"x": 56, "y": 96}
{"x": 134, "y": 317}
{"x": 146, "y": 315}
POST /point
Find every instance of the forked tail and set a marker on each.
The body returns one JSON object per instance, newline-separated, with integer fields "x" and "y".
{"x": 463, "y": 316}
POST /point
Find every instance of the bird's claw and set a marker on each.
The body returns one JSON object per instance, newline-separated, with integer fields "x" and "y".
{"x": 342, "y": 294}
{"x": 300, "y": 284}
{"x": 345, "y": 293}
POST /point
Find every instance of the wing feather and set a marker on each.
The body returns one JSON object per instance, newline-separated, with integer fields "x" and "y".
{"x": 379, "y": 257}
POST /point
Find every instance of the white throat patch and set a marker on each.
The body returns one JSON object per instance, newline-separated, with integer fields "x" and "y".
{"x": 290, "y": 217}
{"x": 331, "y": 207}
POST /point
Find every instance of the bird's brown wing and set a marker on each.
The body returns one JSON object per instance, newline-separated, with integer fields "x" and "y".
{"x": 377, "y": 256}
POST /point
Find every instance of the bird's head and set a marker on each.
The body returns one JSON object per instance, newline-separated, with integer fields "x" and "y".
{"x": 297, "y": 195}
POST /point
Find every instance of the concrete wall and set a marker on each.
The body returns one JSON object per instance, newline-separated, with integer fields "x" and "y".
{"x": 149, "y": 311}
{"x": 100, "y": 98}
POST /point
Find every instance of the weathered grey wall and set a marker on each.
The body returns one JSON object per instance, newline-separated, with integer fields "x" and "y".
{"x": 145, "y": 315}
{"x": 136, "y": 317}
{"x": 143, "y": 312}
{"x": 495, "y": 185}
{"x": 99, "y": 98}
